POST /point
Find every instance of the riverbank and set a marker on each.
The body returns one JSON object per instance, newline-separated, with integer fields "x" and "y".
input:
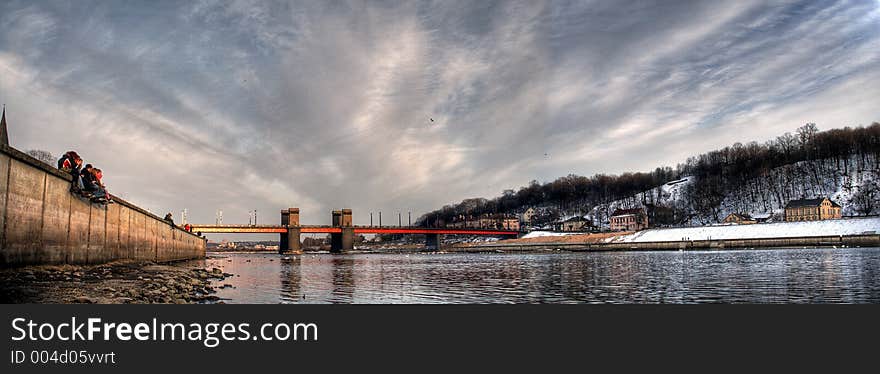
{"x": 119, "y": 282}
{"x": 848, "y": 232}
{"x": 831, "y": 227}
{"x": 838, "y": 241}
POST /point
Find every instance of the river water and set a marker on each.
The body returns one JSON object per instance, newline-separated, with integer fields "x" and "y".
{"x": 849, "y": 275}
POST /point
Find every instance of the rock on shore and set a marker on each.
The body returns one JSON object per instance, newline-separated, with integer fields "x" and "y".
{"x": 113, "y": 283}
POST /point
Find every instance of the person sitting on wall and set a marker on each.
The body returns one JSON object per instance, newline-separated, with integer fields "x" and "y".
{"x": 187, "y": 227}
{"x": 72, "y": 163}
{"x": 95, "y": 188}
{"x": 169, "y": 219}
{"x": 86, "y": 179}
{"x": 101, "y": 187}
{"x": 67, "y": 160}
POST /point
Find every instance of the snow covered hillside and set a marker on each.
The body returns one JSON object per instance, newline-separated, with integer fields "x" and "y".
{"x": 671, "y": 194}
{"x": 842, "y": 181}
{"x": 854, "y": 183}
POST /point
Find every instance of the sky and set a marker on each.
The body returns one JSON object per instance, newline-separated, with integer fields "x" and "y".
{"x": 405, "y": 106}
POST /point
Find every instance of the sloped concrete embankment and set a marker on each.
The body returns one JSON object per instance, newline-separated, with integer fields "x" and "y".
{"x": 43, "y": 223}
{"x": 868, "y": 240}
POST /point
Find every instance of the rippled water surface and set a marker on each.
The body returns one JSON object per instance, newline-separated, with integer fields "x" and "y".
{"x": 850, "y": 275}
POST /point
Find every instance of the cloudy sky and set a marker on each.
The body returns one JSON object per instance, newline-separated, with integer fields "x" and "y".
{"x": 262, "y": 105}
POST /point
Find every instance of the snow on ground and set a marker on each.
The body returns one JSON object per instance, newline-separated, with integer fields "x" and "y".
{"x": 850, "y": 226}
{"x": 538, "y": 234}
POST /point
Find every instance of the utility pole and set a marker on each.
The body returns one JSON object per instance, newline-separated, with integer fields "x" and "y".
{"x": 399, "y": 223}
{"x": 255, "y": 217}
{"x": 380, "y": 218}
{"x": 409, "y": 219}
{"x": 371, "y": 218}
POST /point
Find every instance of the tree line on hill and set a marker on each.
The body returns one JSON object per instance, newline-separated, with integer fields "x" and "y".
{"x": 752, "y": 176}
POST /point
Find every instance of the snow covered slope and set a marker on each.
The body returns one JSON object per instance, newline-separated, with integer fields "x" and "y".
{"x": 670, "y": 194}
{"x": 851, "y": 226}
{"x": 538, "y": 234}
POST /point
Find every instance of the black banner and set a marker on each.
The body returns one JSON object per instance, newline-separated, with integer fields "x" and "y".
{"x": 334, "y": 337}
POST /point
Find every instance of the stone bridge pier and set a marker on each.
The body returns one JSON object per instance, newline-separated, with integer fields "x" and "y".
{"x": 290, "y": 241}
{"x": 432, "y": 242}
{"x": 343, "y": 241}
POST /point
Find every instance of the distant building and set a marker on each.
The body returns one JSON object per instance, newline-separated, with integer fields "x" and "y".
{"x": 575, "y": 224}
{"x": 629, "y": 220}
{"x": 763, "y": 217}
{"x": 811, "y": 210}
{"x": 510, "y": 223}
{"x": 739, "y": 219}
{"x": 496, "y": 221}
{"x": 527, "y": 216}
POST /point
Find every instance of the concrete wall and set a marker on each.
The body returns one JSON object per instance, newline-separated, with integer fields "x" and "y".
{"x": 872, "y": 240}
{"x": 41, "y": 222}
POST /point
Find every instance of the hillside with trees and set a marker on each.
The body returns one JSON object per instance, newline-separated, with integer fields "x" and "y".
{"x": 754, "y": 178}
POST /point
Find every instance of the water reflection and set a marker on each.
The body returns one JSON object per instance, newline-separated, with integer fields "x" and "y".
{"x": 754, "y": 276}
{"x": 343, "y": 279}
{"x": 290, "y": 279}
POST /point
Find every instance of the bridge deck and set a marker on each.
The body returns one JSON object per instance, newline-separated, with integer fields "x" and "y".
{"x": 315, "y": 229}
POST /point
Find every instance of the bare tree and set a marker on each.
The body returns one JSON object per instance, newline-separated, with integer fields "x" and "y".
{"x": 806, "y": 134}
{"x": 865, "y": 199}
{"x": 42, "y": 155}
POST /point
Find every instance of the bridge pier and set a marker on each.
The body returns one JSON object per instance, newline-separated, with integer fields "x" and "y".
{"x": 343, "y": 241}
{"x": 283, "y": 242}
{"x": 294, "y": 244}
{"x": 432, "y": 242}
{"x": 290, "y": 241}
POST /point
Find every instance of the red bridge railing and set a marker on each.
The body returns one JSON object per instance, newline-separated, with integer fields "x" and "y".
{"x": 310, "y": 229}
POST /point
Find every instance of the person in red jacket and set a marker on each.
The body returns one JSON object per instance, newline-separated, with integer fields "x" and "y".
{"x": 72, "y": 163}
{"x": 100, "y": 191}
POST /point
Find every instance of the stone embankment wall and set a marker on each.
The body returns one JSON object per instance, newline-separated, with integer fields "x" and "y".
{"x": 870, "y": 240}
{"x": 43, "y": 223}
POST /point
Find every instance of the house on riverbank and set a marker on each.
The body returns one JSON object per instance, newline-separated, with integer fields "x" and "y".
{"x": 739, "y": 219}
{"x": 576, "y": 223}
{"x": 628, "y": 220}
{"x": 812, "y": 210}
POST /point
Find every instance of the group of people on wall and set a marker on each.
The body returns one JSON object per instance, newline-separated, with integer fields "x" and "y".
{"x": 86, "y": 179}
{"x": 87, "y": 182}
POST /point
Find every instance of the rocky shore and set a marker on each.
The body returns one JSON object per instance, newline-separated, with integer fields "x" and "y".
{"x": 124, "y": 282}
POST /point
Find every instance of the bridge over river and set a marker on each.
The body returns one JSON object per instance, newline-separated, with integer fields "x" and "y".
{"x": 342, "y": 231}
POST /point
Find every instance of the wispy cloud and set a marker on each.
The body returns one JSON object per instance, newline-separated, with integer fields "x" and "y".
{"x": 246, "y": 105}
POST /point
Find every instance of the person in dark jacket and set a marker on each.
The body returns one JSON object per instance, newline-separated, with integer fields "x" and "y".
{"x": 100, "y": 191}
{"x": 88, "y": 180}
{"x": 73, "y": 165}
